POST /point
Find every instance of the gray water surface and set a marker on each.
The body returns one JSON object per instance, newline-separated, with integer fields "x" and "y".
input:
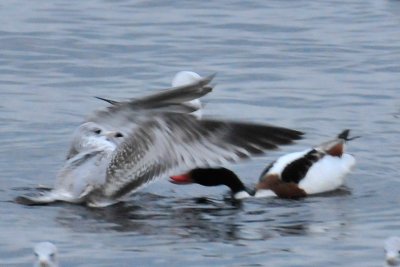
{"x": 316, "y": 66}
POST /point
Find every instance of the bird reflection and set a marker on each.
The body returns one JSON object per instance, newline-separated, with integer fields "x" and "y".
{"x": 197, "y": 219}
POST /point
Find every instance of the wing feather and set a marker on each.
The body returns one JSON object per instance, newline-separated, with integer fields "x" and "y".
{"x": 174, "y": 141}
{"x": 123, "y": 116}
{"x": 175, "y": 95}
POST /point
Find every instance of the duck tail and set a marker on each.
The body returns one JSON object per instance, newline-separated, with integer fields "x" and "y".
{"x": 345, "y": 135}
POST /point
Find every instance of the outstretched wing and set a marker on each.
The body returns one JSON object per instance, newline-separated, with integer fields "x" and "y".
{"x": 175, "y": 95}
{"x": 174, "y": 141}
{"x": 123, "y": 116}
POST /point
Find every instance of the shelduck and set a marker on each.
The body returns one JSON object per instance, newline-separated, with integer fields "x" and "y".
{"x": 295, "y": 175}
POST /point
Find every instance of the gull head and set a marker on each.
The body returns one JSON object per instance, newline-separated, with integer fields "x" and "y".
{"x": 392, "y": 250}
{"x": 184, "y": 78}
{"x": 46, "y": 255}
{"x": 91, "y": 135}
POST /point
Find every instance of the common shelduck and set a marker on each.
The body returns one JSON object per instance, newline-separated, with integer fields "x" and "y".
{"x": 120, "y": 149}
{"x": 312, "y": 171}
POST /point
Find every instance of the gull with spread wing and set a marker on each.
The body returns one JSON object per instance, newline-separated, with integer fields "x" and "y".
{"x": 119, "y": 149}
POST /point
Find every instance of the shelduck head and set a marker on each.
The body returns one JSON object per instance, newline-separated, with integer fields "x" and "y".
{"x": 214, "y": 177}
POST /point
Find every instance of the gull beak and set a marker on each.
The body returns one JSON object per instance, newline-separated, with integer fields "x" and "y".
{"x": 44, "y": 263}
{"x": 112, "y": 135}
{"x": 391, "y": 259}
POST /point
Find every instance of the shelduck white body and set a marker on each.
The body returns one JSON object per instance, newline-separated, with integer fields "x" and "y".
{"x": 312, "y": 171}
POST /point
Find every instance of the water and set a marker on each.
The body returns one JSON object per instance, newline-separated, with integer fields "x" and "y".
{"x": 316, "y": 66}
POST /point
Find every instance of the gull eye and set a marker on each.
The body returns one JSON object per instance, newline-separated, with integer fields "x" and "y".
{"x": 36, "y": 255}
{"x": 119, "y": 135}
{"x": 52, "y": 255}
{"x": 97, "y": 131}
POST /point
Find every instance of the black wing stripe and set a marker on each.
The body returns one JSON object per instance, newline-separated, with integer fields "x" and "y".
{"x": 298, "y": 169}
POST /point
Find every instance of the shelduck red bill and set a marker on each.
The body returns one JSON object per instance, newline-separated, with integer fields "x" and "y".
{"x": 181, "y": 179}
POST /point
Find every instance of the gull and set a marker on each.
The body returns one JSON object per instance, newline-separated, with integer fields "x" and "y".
{"x": 46, "y": 255}
{"x": 182, "y": 78}
{"x": 119, "y": 149}
{"x": 392, "y": 250}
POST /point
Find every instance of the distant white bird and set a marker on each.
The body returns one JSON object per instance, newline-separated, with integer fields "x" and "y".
{"x": 118, "y": 150}
{"x": 46, "y": 255}
{"x": 183, "y": 78}
{"x": 392, "y": 250}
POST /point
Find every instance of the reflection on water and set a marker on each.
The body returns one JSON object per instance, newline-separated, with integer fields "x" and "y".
{"x": 196, "y": 219}
{"x": 319, "y": 67}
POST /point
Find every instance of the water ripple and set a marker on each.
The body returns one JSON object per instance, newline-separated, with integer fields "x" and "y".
{"x": 316, "y": 66}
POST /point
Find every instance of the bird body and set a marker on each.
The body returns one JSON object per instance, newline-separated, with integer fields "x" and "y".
{"x": 312, "y": 171}
{"x": 294, "y": 175}
{"x": 122, "y": 148}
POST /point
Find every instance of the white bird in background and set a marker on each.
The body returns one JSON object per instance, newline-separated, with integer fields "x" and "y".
{"x": 46, "y": 255}
{"x": 392, "y": 250}
{"x": 119, "y": 149}
{"x": 184, "y": 78}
